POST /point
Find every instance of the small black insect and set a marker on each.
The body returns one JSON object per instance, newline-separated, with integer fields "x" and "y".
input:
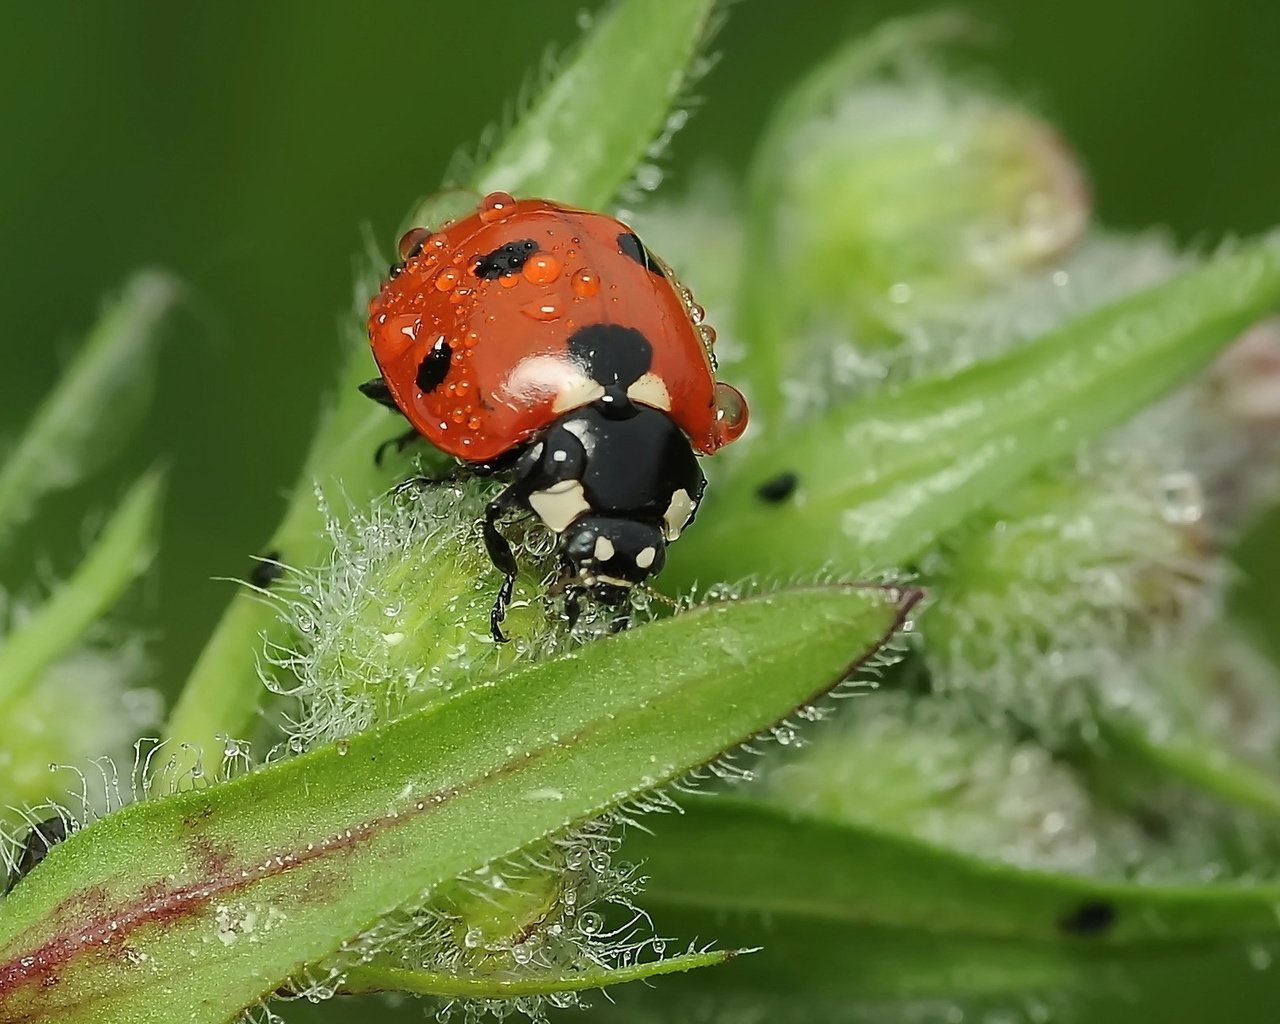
{"x": 39, "y": 840}
{"x": 1093, "y": 917}
{"x": 779, "y": 488}
{"x": 267, "y": 568}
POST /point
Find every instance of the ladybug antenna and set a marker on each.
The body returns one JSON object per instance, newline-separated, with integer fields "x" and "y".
{"x": 662, "y": 598}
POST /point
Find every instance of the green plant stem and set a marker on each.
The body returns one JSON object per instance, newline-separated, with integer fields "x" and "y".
{"x": 121, "y": 553}
{"x": 94, "y": 403}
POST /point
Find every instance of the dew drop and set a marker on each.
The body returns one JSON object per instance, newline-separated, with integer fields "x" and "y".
{"x": 541, "y": 268}
{"x": 590, "y": 923}
{"x": 543, "y": 312}
{"x": 411, "y": 242}
{"x": 448, "y": 279}
{"x": 495, "y": 206}
{"x": 731, "y": 413}
{"x": 585, "y": 283}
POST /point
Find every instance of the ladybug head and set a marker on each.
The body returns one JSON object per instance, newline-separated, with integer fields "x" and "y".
{"x": 608, "y": 556}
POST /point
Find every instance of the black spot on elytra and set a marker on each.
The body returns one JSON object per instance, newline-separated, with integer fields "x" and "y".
{"x": 779, "y": 488}
{"x": 612, "y": 356}
{"x": 630, "y": 245}
{"x": 266, "y": 569}
{"x": 506, "y": 259}
{"x": 39, "y": 840}
{"x": 434, "y": 366}
{"x": 1093, "y": 917}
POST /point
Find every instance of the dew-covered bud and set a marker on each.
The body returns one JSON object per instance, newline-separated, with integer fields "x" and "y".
{"x": 1069, "y": 578}
{"x": 399, "y": 617}
{"x": 909, "y": 195}
{"x": 879, "y": 202}
{"x": 927, "y": 769}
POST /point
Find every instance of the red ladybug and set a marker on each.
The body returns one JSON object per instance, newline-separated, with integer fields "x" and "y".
{"x": 547, "y": 345}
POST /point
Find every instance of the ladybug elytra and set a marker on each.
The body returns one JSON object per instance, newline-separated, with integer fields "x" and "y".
{"x": 548, "y": 346}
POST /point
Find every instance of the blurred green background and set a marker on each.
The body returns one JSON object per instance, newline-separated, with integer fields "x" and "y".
{"x": 244, "y": 146}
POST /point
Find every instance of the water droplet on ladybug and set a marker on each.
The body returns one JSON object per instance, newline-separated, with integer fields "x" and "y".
{"x": 585, "y": 283}
{"x": 509, "y": 280}
{"x": 696, "y": 313}
{"x": 461, "y": 295}
{"x": 708, "y": 335}
{"x": 411, "y": 242}
{"x": 541, "y": 268}
{"x": 399, "y": 332}
{"x": 544, "y": 312}
{"x": 495, "y": 206}
{"x": 447, "y": 279}
{"x": 731, "y": 412}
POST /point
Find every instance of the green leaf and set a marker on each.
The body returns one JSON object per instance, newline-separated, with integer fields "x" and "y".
{"x": 122, "y": 552}
{"x": 191, "y": 907}
{"x": 578, "y": 143}
{"x": 1202, "y": 761}
{"x": 94, "y": 405}
{"x": 859, "y": 921}
{"x": 880, "y": 480}
{"x": 598, "y": 117}
{"x": 369, "y": 978}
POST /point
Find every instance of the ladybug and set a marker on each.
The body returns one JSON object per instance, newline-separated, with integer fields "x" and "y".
{"x": 547, "y": 346}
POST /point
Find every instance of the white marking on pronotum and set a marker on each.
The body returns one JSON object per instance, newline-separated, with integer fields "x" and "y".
{"x": 576, "y": 394}
{"x": 560, "y": 504}
{"x": 678, "y": 514}
{"x": 650, "y": 389}
{"x": 604, "y": 549}
{"x": 646, "y": 556}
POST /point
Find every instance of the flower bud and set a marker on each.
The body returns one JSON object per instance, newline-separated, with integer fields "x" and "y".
{"x": 1070, "y": 578}
{"x": 400, "y": 616}
{"x": 884, "y": 203}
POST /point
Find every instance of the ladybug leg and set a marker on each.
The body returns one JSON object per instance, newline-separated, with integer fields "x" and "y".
{"x": 572, "y": 606}
{"x": 400, "y": 442}
{"x": 620, "y": 621}
{"x": 502, "y": 557}
{"x": 378, "y": 391}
